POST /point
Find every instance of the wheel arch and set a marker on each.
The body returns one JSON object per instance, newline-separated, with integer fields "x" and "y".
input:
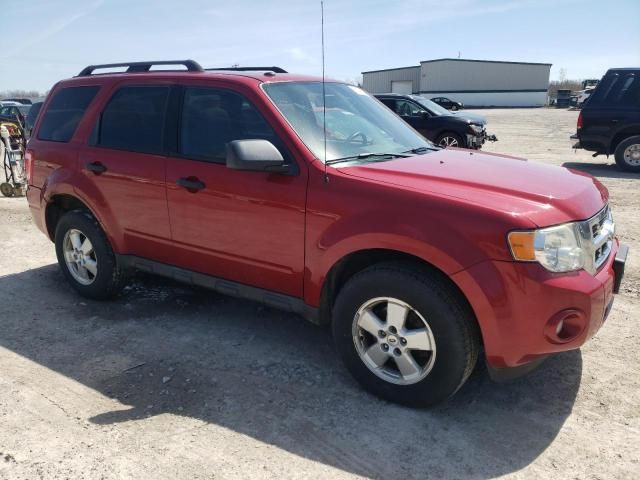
{"x": 57, "y": 206}
{"x": 356, "y": 261}
{"x": 626, "y": 132}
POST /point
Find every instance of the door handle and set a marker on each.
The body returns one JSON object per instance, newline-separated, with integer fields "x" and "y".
{"x": 192, "y": 184}
{"x": 96, "y": 167}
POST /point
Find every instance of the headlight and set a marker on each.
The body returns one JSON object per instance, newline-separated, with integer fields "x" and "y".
{"x": 558, "y": 249}
{"x": 477, "y": 129}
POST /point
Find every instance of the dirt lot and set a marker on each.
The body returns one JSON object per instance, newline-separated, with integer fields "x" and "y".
{"x": 174, "y": 382}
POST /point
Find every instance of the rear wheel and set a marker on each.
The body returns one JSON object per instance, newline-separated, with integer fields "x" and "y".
{"x": 455, "y": 107}
{"x": 405, "y": 334}
{"x": 628, "y": 154}
{"x": 450, "y": 139}
{"x": 86, "y": 257}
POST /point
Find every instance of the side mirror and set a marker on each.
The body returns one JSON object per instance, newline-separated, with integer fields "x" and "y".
{"x": 256, "y": 155}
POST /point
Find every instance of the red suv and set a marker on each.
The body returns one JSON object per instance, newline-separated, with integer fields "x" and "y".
{"x": 318, "y": 200}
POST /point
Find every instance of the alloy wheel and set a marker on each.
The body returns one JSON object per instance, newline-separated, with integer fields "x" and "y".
{"x": 80, "y": 257}
{"x": 449, "y": 142}
{"x": 394, "y": 341}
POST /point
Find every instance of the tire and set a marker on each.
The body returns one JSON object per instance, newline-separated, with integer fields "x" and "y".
{"x": 6, "y": 189}
{"x": 627, "y": 154}
{"x": 109, "y": 277}
{"x": 450, "y": 139}
{"x": 454, "y": 333}
{"x": 454, "y": 108}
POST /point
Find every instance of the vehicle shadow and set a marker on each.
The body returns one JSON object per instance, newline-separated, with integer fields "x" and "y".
{"x": 168, "y": 348}
{"x": 607, "y": 170}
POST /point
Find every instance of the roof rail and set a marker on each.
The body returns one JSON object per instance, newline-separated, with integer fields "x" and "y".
{"x": 250, "y": 69}
{"x": 133, "y": 67}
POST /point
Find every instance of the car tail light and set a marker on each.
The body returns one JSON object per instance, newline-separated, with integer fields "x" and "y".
{"x": 579, "y": 126}
{"x": 28, "y": 165}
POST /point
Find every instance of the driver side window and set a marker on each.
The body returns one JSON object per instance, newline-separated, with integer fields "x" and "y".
{"x": 405, "y": 108}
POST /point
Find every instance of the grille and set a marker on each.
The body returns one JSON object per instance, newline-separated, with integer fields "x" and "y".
{"x": 599, "y": 239}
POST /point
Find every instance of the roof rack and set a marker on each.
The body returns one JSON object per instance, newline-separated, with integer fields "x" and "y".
{"x": 250, "y": 69}
{"x": 134, "y": 67}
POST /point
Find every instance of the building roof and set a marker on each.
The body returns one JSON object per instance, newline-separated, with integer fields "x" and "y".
{"x": 455, "y": 60}
{"x": 391, "y": 69}
{"x": 481, "y": 61}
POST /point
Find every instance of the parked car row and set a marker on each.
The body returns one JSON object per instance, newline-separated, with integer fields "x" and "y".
{"x": 21, "y": 109}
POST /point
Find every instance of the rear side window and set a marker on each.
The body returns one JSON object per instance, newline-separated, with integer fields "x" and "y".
{"x": 620, "y": 90}
{"x": 629, "y": 94}
{"x": 133, "y": 120}
{"x": 65, "y": 112}
{"x": 211, "y": 118}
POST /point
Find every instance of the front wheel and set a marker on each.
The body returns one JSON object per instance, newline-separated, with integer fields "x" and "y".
{"x": 450, "y": 139}
{"x": 628, "y": 154}
{"x": 405, "y": 334}
{"x": 86, "y": 257}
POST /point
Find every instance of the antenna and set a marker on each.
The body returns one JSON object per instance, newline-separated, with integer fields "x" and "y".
{"x": 324, "y": 96}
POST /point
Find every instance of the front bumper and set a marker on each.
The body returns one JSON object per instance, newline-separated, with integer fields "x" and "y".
{"x": 526, "y": 313}
{"x": 476, "y": 141}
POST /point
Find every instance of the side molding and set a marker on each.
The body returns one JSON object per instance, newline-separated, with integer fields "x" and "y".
{"x": 223, "y": 286}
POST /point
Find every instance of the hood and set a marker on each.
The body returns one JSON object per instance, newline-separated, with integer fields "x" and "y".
{"x": 470, "y": 117}
{"x": 544, "y": 194}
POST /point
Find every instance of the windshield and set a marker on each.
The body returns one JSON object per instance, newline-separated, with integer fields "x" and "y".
{"x": 433, "y": 107}
{"x": 357, "y": 123}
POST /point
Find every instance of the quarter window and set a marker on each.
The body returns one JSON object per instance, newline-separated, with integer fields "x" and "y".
{"x": 211, "y": 118}
{"x": 65, "y": 112}
{"x": 133, "y": 120}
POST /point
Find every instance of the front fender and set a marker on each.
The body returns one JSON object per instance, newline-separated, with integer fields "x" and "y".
{"x": 343, "y": 239}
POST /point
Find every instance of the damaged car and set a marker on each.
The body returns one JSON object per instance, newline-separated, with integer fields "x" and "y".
{"x": 436, "y": 123}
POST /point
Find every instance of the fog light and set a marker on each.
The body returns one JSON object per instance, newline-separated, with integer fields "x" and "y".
{"x": 565, "y": 326}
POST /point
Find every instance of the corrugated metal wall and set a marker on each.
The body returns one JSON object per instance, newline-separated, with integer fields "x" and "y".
{"x": 461, "y": 75}
{"x": 497, "y": 99}
{"x": 380, "y": 81}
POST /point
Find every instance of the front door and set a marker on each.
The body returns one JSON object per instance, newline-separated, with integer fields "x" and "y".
{"x": 243, "y": 226}
{"x": 415, "y": 115}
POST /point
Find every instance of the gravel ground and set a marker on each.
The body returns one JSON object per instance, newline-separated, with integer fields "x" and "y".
{"x": 174, "y": 382}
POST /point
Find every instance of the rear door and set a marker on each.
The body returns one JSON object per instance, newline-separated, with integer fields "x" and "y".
{"x": 124, "y": 168}
{"x": 243, "y": 226}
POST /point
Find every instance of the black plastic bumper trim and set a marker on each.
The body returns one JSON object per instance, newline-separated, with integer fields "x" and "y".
{"x": 618, "y": 266}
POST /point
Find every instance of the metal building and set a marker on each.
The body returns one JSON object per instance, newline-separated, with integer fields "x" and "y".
{"x": 476, "y": 83}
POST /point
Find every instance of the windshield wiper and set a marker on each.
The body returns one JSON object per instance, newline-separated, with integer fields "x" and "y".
{"x": 420, "y": 150}
{"x": 362, "y": 156}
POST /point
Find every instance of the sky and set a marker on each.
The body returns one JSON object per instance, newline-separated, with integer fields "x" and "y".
{"x": 44, "y": 41}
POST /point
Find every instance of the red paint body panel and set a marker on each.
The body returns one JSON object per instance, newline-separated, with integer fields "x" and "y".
{"x": 452, "y": 208}
{"x": 513, "y": 302}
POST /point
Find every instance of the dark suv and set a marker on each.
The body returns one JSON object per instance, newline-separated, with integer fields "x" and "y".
{"x": 252, "y": 184}
{"x": 609, "y": 122}
{"x": 436, "y": 123}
